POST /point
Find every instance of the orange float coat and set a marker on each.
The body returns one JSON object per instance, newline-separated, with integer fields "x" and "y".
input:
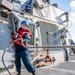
{"x": 20, "y": 34}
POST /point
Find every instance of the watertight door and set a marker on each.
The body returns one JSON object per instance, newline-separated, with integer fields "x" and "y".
{"x": 5, "y": 36}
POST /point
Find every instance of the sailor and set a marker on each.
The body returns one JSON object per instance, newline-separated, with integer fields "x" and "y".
{"x": 23, "y": 34}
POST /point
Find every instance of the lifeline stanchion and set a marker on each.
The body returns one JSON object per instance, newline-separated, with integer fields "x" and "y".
{"x": 3, "y": 58}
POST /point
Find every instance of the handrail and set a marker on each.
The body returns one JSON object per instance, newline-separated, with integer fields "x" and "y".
{"x": 52, "y": 46}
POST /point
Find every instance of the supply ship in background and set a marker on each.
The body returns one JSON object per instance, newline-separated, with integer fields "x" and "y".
{"x": 48, "y": 24}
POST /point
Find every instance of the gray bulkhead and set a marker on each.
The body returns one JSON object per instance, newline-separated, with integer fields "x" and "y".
{"x": 5, "y": 37}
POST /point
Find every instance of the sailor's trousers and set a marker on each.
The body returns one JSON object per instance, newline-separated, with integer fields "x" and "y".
{"x": 22, "y": 53}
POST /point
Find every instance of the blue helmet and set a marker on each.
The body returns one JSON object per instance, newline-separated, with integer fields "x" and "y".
{"x": 25, "y": 22}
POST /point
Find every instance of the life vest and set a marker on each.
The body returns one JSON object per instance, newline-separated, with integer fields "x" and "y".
{"x": 20, "y": 33}
{"x": 48, "y": 56}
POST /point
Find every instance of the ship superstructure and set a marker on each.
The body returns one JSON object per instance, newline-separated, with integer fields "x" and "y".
{"x": 47, "y": 23}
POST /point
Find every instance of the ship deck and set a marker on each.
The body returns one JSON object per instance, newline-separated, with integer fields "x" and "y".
{"x": 64, "y": 68}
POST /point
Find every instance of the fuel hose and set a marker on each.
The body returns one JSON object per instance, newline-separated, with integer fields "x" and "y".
{"x": 3, "y": 58}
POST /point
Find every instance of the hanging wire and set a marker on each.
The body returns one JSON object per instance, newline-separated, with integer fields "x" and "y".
{"x": 41, "y": 13}
{"x": 41, "y": 8}
{"x": 69, "y": 22}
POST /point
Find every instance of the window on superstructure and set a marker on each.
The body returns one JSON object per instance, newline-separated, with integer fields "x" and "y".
{"x": 31, "y": 27}
{"x": 15, "y": 24}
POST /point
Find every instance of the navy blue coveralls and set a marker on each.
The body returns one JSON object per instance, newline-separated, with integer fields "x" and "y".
{"x": 22, "y": 53}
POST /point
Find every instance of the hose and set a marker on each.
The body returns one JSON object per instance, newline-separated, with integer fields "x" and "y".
{"x": 7, "y": 50}
{"x": 3, "y": 58}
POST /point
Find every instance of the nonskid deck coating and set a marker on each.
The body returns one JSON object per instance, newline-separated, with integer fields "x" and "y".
{"x": 65, "y": 68}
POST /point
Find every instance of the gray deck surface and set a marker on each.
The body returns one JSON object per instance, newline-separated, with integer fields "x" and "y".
{"x": 65, "y": 68}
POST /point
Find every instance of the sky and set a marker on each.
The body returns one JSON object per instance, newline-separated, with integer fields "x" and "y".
{"x": 68, "y": 5}
{"x": 62, "y": 4}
